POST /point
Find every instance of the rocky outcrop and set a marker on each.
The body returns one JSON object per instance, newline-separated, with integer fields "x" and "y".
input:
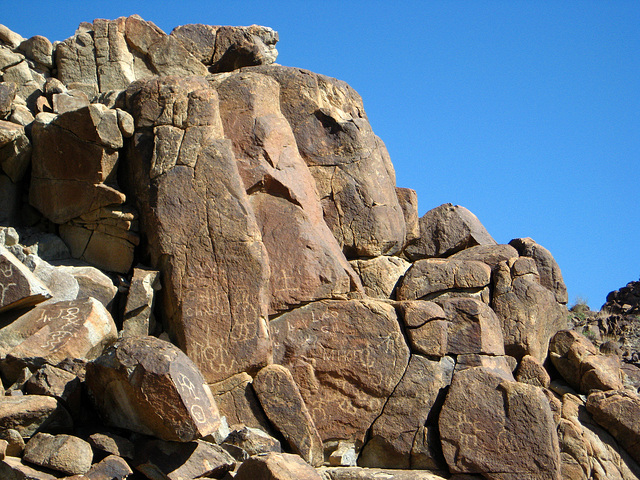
{"x": 185, "y": 187}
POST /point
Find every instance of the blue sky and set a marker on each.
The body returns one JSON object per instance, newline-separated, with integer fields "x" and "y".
{"x": 527, "y": 113}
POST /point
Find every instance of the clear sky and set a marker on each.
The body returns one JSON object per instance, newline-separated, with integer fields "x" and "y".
{"x": 525, "y": 112}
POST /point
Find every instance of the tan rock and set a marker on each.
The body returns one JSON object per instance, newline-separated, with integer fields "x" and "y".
{"x": 167, "y": 397}
{"x": 39, "y": 49}
{"x": 492, "y": 255}
{"x": 276, "y": 466}
{"x": 392, "y": 435}
{"x": 360, "y": 473}
{"x": 337, "y": 143}
{"x": 63, "y": 453}
{"x": 380, "y": 275}
{"x": 29, "y": 413}
{"x": 473, "y": 327}
{"x": 548, "y": 269}
{"x": 447, "y": 229}
{"x": 346, "y": 357}
{"x": 54, "y": 332}
{"x": 198, "y": 39}
{"x": 15, "y": 150}
{"x": 69, "y": 101}
{"x": 14, "y": 469}
{"x": 618, "y": 412}
{"x": 281, "y": 400}
{"x": 202, "y": 234}
{"x": 579, "y": 363}
{"x": 19, "y": 288}
{"x": 434, "y": 277}
{"x": 112, "y": 444}
{"x": 8, "y": 92}
{"x": 138, "y": 312}
{"x": 15, "y": 442}
{"x": 178, "y": 461}
{"x": 58, "y": 383}
{"x": 253, "y": 441}
{"x": 498, "y": 428}
{"x": 427, "y": 327}
{"x": 110, "y": 468}
{"x": 307, "y": 262}
{"x": 531, "y": 371}
{"x": 237, "y": 401}
{"x": 529, "y": 312}
{"x": 238, "y": 47}
{"x": 408, "y": 200}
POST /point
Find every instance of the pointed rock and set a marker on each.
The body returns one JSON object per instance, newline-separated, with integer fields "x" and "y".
{"x": 283, "y": 404}
{"x": 19, "y": 288}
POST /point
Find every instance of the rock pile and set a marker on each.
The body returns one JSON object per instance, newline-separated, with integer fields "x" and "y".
{"x": 206, "y": 270}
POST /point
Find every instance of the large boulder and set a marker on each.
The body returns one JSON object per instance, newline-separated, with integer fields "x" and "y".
{"x": 29, "y": 413}
{"x": 53, "y": 332}
{"x": 437, "y": 277}
{"x": 202, "y": 234}
{"x": 354, "y": 175}
{"x": 150, "y": 386}
{"x": 447, "y": 229}
{"x": 498, "y": 428}
{"x": 346, "y": 357}
{"x": 15, "y": 150}
{"x": 380, "y": 275}
{"x": 307, "y": 262}
{"x": 395, "y": 436}
{"x": 529, "y": 313}
{"x": 62, "y": 453}
{"x": 426, "y": 326}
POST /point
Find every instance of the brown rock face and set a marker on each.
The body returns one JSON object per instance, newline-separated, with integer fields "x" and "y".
{"x": 19, "y": 288}
{"x": 434, "y": 277}
{"x": 380, "y": 275}
{"x": 243, "y": 46}
{"x": 346, "y": 357}
{"x": 63, "y": 453}
{"x": 15, "y": 149}
{"x": 529, "y": 312}
{"x": 447, "y": 229}
{"x": 150, "y": 386}
{"x": 427, "y": 327}
{"x": 579, "y": 363}
{"x": 53, "y": 332}
{"x": 394, "y": 433}
{"x": 307, "y": 263}
{"x": 351, "y": 166}
{"x": 29, "y": 413}
{"x": 283, "y": 404}
{"x": 548, "y": 269}
{"x": 202, "y": 234}
{"x": 473, "y": 327}
{"x": 499, "y": 429}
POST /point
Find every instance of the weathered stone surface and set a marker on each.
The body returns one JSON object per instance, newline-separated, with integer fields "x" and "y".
{"x": 11, "y": 38}
{"x": 345, "y": 454}
{"x": 587, "y": 450}
{"x": 63, "y": 453}
{"x": 351, "y": 166}
{"x": 15, "y": 442}
{"x": 160, "y": 460}
{"x": 15, "y": 150}
{"x": 548, "y": 269}
{"x": 529, "y": 312}
{"x": 29, "y": 413}
{"x": 492, "y": 255}
{"x": 237, "y": 401}
{"x": 359, "y": 473}
{"x": 238, "y": 47}
{"x": 19, "y": 288}
{"x": 618, "y": 412}
{"x": 53, "y": 332}
{"x": 198, "y": 39}
{"x": 276, "y": 466}
{"x": 346, "y": 357}
{"x": 281, "y": 400}
{"x": 58, "y": 383}
{"x": 500, "y": 429}
{"x": 110, "y": 468}
{"x": 380, "y": 275}
{"x": 306, "y": 261}
{"x": 409, "y": 408}
{"x": 447, "y": 229}
{"x": 92, "y": 283}
{"x": 138, "y": 316}
{"x": 427, "y": 327}
{"x": 473, "y": 327}
{"x": 114, "y": 53}
{"x": 579, "y": 363}
{"x": 500, "y": 365}
{"x": 112, "y": 444}
{"x": 531, "y": 371}
{"x": 39, "y": 49}
{"x": 14, "y": 469}
{"x": 435, "y": 277}
{"x": 252, "y": 440}
{"x": 69, "y": 101}
{"x": 8, "y": 92}
{"x": 202, "y": 234}
{"x": 166, "y": 396}
{"x": 408, "y": 200}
